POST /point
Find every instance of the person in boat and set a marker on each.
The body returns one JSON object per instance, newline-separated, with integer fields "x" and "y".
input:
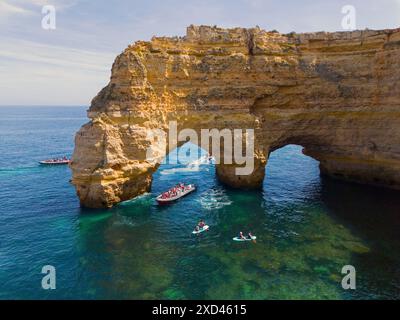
{"x": 250, "y": 235}
{"x": 201, "y": 224}
{"x": 241, "y": 236}
{"x": 197, "y": 229}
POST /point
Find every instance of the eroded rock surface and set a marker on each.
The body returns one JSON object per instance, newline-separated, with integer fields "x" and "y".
{"x": 336, "y": 94}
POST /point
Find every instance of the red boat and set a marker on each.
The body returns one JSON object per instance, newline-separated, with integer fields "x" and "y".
{"x": 175, "y": 193}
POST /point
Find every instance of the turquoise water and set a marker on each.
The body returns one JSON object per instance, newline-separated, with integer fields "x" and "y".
{"x": 308, "y": 227}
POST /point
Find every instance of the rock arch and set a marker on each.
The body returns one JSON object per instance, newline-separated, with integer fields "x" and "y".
{"x": 336, "y": 94}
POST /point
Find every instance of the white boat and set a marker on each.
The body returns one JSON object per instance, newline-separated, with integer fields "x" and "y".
{"x": 55, "y": 162}
{"x": 179, "y": 194}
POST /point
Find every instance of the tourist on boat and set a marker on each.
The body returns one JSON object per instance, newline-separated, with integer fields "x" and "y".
{"x": 175, "y": 191}
{"x": 241, "y": 236}
{"x": 201, "y": 224}
{"x": 250, "y": 235}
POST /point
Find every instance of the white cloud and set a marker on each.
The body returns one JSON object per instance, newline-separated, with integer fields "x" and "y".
{"x": 7, "y": 9}
{"x": 38, "y": 73}
{"x": 39, "y": 2}
{"x": 40, "y": 84}
{"x": 31, "y": 6}
{"x": 54, "y": 55}
{"x": 59, "y": 4}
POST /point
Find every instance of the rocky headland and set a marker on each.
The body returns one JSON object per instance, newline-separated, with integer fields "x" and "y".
{"x": 335, "y": 94}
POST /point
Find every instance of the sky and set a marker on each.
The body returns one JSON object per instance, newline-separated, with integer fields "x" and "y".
{"x": 68, "y": 65}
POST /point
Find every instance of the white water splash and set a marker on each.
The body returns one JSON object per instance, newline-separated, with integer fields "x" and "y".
{"x": 214, "y": 199}
{"x": 124, "y": 221}
{"x": 143, "y": 197}
{"x": 194, "y": 166}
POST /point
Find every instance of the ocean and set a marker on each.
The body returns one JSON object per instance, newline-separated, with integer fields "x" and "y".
{"x": 307, "y": 226}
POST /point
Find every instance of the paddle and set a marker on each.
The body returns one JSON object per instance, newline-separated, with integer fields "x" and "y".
{"x": 253, "y": 240}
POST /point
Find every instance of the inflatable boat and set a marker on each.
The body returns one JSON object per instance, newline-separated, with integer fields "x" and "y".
{"x": 175, "y": 194}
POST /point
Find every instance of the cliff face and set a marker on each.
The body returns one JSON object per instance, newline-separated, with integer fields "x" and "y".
{"x": 336, "y": 94}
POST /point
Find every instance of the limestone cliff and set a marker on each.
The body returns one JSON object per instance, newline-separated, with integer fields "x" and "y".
{"x": 336, "y": 94}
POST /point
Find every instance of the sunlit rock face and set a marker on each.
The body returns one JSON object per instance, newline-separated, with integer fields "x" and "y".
{"x": 336, "y": 94}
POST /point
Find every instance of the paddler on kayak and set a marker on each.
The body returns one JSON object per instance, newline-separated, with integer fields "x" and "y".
{"x": 200, "y": 225}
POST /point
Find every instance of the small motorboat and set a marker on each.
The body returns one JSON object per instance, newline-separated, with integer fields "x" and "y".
{"x": 175, "y": 193}
{"x": 55, "y": 161}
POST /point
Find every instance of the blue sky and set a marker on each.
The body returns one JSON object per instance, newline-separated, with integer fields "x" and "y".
{"x": 69, "y": 65}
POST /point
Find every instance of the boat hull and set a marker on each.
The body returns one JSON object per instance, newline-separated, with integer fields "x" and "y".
{"x": 54, "y": 163}
{"x": 161, "y": 201}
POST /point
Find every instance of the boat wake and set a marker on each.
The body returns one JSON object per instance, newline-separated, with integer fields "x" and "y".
{"x": 144, "y": 198}
{"x": 18, "y": 170}
{"x": 178, "y": 170}
{"x": 214, "y": 199}
{"x": 124, "y": 221}
{"x": 194, "y": 166}
{"x": 198, "y": 162}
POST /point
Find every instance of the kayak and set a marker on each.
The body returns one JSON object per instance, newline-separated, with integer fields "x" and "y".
{"x": 205, "y": 228}
{"x": 188, "y": 189}
{"x": 242, "y": 240}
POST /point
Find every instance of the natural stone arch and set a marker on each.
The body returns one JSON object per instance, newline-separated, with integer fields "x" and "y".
{"x": 336, "y": 94}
